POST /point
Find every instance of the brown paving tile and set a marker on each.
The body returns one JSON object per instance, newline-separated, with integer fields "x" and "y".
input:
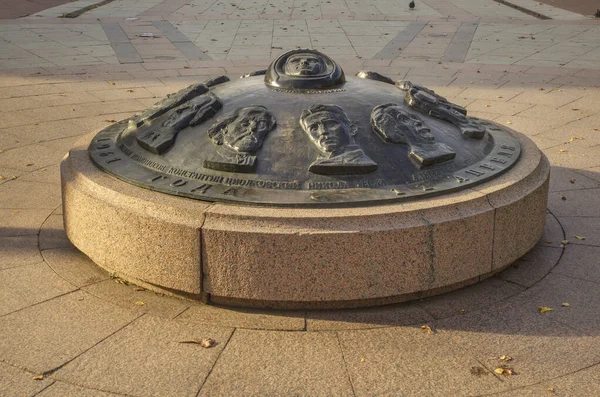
{"x": 61, "y": 389}
{"x": 38, "y": 155}
{"x": 473, "y": 297}
{"x": 52, "y": 234}
{"x": 144, "y": 301}
{"x": 23, "y": 286}
{"x": 147, "y": 358}
{"x": 383, "y": 316}
{"x": 19, "y": 251}
{"x": 532, "y": 267}
{"x": 243, "y": 318}
{"x": 45, "y": 336}
{"x": 22, "y": 194}
{"x": 49, "y": 174}
{"x": 13, "y": 380}
{"x": 541, "y": 348}
{"x": 277, "y": 363}
{"x": 580, "y": 261}
{"x": 409, "y": 361}
{"x": 22, "y": 222}
{"x": 72, "y": 265}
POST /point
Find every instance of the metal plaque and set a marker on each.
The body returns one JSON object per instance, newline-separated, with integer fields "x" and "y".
{"x": 302, "y": 134}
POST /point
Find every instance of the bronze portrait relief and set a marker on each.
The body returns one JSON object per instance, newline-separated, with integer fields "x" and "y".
{"x": 238, "y": 135}
{"x": 332, "y": 132}
{"x": 395, "y": 125}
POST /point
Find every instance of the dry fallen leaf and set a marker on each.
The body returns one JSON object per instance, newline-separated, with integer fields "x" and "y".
{"x": 187, "y": 67}
{"x": 580, "y": 237}
{"x": 140, "y": 303}
{"x": 111, "y": 83}
{"x": 565, "y": 304}
{"x": 564, "y": 242}
{"x": 362, "y": 359}
{"x": 427, "y": 329}
{"x": 506, "y": 358}
{"x": 550, "y": 389}
{"x": 561, "y": 151}
{"x": 504, "y": 370}
{"x": 544, "y": 309}
{"x": 2, "y": 178}
{"x": 39, "y": 377}
{"x": 206, "y": 342}
{"x": 140, "y": 289}
{"x": 129, "y": 90}
{"x": 110, "y": 121}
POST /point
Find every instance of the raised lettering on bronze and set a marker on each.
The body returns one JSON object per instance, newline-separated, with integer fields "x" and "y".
{"x": 332, "y": 132}
{"x": 487, "y": 166}
{"x": 238, "y": 135}
{"x": 179, "y": 183}
{"x": 497, "y": 160}
{"x": 395, "y": 125}
{"x": 202, "y": 189}
{"x": 474, "y": 172}
{"x": 504, "y": 154}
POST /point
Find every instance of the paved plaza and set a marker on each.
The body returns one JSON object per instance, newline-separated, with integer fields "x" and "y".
{"x": 69, "y": 328}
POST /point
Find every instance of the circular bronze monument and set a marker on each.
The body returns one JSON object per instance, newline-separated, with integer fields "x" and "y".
{"x": 285, "y": 150}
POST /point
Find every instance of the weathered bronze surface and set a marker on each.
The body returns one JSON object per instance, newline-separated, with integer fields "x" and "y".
{"x": 301, "y": 134}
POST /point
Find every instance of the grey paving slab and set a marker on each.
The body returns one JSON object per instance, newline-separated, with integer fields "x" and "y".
{"x": 582, "y": 230}
{"x": 125, "y": 51}
{"x": 15, "y": 381}
{"x": 45, "y": 336}
{"x": 532, "y": 267}
{"x": 459, "y": 46}
{"x": 62, "y": 389}
{"x": 410, "y": 361}
{"x": 553, "y": 233}
{"x": 52, "y": 234}
{"x": 26, "y": 285}
{"x": 401, "y": 41}
{"x": 575, "y": 302}
{"x": 74, "y": 266}
{"x": 146, "y": 357}
{"x": 484, "y": 294}
{"x": 576, "y": 203}
{"x": 135, "y": 298}
{"x": 387, "y": 316}
{"x": 580, "y": 261}
{"x": 19, "y": 251}
{"x": 541, "y": 348}
{"x": 279, "y": 363}
{"x": 244, "y": 318}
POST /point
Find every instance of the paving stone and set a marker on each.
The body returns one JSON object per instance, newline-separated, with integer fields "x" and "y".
{"x": 588, "y": 228}
{"x": 30, "y": 284}
{"x": 136, "y": 298}
{"x": 532, "y": 267}
{"x": 52, "y": 234}
{"x": 46, "y": 336}
{"x": 583, "y": 310}
{"x": 22, "y": 222}
{"x": 146, "y": 357}
{"x": 483, "y": 294}
{"x": 21, "y": 194}
{"x": 19, "y": 251}
{"x": 13, "y": 380}
{"x": 553, "y": 233}
{"x": 576, "y": 203}
{"x": 541, "y": 348}
{"x": 244, "y": 318}
{"x": 74, "y": 266}
{"x": 61, "y": 389}
{"x": 580, "y": 261}
{"x": 565, "y": 179}
{"x": 279, "y": 363}
{"x": 404, "y": 360}
{"x": 384, "y": 316}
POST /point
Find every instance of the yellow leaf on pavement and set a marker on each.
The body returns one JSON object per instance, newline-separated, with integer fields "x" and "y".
{"x": 544, "y": 309}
